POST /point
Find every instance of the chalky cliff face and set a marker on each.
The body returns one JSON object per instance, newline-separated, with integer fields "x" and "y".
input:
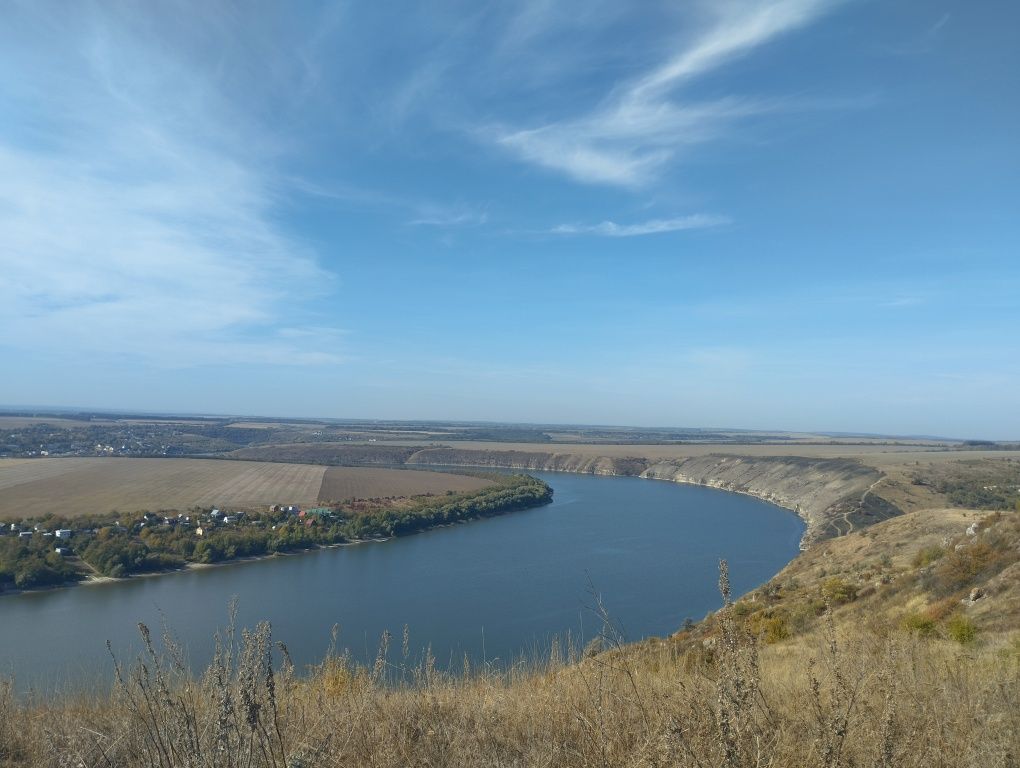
{"x": 833, "y": 496}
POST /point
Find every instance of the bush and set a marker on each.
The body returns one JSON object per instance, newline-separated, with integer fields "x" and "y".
{"x": 775, "y": 630}
{"x": 961, "y": 629}
{"x": 974, "y": 563}
{"x": 921, "y": 623}
{"x": 838, "y": 591}
{"x": 927, "y": 556}
{"x": 768, "y": 626}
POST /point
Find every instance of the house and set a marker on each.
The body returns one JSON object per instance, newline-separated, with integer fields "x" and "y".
{"x": 63, "y": 551}
{"x": 200, "y": 531}
{"x": 24, "y": 534}
{"x": 63, "y": 533}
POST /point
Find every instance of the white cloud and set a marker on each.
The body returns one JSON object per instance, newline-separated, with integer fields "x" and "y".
{"x": 140, "y": 228}
{"x": 651, "y": 227}
{"x": 639, "y": 126}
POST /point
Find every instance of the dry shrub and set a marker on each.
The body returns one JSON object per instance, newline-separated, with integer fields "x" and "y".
{"x": 976, "y": 560}
{"x": 838, "y": 591}
{"x": 927, "y": 556}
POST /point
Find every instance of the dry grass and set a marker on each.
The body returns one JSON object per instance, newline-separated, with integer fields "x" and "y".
{"x": 340, "y": 483}
{"x": 838, "y": 699}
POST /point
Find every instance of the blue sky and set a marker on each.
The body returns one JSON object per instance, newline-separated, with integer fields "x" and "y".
{"x": 792, "y": 214}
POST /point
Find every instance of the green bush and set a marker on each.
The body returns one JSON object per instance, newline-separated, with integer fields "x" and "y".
{"x": 921, "y": 623}
{"x": 961, "y": 629}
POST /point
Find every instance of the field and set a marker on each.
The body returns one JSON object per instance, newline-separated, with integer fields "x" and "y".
{"x": 341, "y": 483}
{"x": 77, "y": 486}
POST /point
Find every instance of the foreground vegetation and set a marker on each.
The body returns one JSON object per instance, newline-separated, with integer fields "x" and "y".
{"x": 836, "y": 698}
{"x": 115, "y": 546}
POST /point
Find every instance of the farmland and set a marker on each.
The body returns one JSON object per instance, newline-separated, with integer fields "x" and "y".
{"x": 340, "y": 483}
{"x": 81, "y": 486}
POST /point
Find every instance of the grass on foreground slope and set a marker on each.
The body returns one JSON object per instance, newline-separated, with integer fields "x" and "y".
{"x": 837, "y": 696}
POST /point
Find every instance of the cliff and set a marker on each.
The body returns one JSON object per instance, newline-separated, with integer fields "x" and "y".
{"x": 833, "y": 496}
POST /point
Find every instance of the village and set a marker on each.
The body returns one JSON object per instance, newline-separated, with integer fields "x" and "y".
{"x": 201, "y": 523}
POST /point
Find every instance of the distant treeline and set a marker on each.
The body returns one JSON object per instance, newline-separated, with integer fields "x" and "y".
{"x": 117, "y": 547}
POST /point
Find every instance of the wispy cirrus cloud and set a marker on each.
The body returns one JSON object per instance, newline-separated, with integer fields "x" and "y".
{"x": 640, "y": 126}
{"x": 137, "y": 217}
{"x": 651, "y": 227}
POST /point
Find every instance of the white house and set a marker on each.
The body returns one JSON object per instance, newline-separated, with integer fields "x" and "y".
{"x": 63, "y": 533}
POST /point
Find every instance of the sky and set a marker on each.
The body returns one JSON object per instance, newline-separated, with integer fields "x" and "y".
{"x": 784, "y": 214}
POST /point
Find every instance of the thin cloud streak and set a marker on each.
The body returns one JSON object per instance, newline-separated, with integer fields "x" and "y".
{"x": 652, "y": 227}
{"x": 639, "y": 127}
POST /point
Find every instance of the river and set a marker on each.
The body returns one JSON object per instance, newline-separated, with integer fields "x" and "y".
{"x": 493, "y": 589}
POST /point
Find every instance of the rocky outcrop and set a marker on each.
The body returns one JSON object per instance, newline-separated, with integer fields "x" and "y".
{"x": 833, "y": 496}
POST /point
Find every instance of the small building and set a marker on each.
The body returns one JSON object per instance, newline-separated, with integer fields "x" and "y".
{"x": 63, "y": 551}
{"x": 24, "y": 534}
{"x": 200, "y": 531}
{"x": 63, "y": 533}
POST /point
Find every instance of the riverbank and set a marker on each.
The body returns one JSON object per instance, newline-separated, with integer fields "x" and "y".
{"x": 109, "y": 550}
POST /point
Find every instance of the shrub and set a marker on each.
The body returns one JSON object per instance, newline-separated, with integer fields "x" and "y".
{"x": 961, "y": 629}
{"x": 838, "y": 591}
{"x": 972, "y": 564}
{"x": 921, "y": 623}
{"x": 769, "y": 626}
{"x": 775, "y": 630}
{"x": 942, "y": 609}
{"x": 927, "y": 556}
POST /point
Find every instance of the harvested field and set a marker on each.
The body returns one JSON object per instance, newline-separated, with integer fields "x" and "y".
{"x": 341, "y": 483}
{"x": 78, "y": 486}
